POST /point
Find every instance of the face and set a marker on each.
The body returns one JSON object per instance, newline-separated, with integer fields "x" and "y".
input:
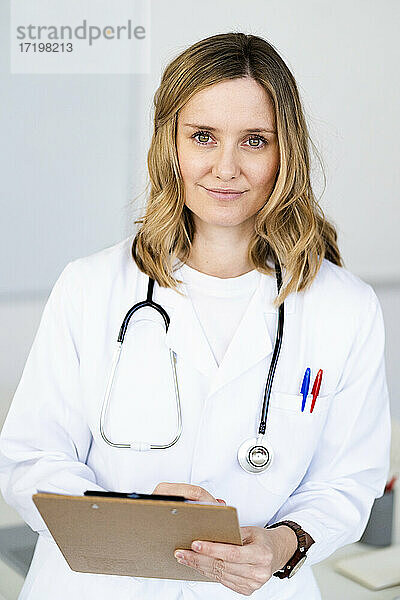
{"x": 226, "y": 139}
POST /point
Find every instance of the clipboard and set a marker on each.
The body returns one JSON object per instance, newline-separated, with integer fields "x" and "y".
{"x": 134, "y": 537}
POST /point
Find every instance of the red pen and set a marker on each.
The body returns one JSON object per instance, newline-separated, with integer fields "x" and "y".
{"x": 315, "y": 389}
{"x": 390, "y": 484}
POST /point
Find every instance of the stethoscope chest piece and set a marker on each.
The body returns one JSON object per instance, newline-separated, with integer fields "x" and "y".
{"x": 254, "y": 455}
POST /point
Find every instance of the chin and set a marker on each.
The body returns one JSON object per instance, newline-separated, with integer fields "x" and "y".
{"x": 223, "y": 216}
{"x": 225, "y": 221}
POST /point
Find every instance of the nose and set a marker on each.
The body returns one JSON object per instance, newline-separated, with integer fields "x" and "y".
{"x": 225, "y": 163}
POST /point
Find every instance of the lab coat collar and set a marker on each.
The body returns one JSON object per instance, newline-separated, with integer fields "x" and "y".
{"x": 250, "y": 344}
{"x": 168, "y": 297}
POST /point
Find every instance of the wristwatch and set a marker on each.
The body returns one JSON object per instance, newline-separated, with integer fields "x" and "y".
{"x": 304, "y": 541}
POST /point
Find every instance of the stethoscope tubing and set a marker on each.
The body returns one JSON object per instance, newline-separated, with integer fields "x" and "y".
{"x": 141, "y": 446}
{"x": 149, "y": 302}
{"x": 275, "y": 355}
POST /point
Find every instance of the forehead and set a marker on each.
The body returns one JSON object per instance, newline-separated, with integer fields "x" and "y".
{"x": 234, "y": 103}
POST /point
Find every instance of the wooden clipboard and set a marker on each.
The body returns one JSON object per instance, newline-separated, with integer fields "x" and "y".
{"x": 120, "y": 536}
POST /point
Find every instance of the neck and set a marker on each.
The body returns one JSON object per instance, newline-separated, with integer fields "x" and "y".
{"x": 221, "y": 251}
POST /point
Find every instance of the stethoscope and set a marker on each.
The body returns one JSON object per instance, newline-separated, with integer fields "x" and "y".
{"x": 255, "y": 455}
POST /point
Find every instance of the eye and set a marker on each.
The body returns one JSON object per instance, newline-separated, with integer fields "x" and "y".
{"x": 258, "y": 138}
{"x": 201, "y": 133}
{"x": 255, "y": 137}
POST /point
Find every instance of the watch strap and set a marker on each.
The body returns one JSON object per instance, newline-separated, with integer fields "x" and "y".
{"x": 304, "y": 541}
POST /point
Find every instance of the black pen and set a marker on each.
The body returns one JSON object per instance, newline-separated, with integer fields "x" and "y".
{"x": 134, "y": 496}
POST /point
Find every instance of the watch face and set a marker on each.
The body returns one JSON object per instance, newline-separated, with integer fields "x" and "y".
{"x": 297, "y": 567}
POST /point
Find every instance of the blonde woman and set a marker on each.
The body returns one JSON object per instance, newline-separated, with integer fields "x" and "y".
{"x": 284, "y": 402}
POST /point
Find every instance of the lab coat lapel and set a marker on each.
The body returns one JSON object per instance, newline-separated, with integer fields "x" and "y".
{"x": 185, "y": 335}
{"x": 251, "y": 343}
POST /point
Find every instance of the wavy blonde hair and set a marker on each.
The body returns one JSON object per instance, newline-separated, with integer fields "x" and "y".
{"x": 291, "y": 227}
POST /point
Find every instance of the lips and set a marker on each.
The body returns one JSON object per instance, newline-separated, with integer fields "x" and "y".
{"x": 220, "y": 195}
{"x": 222, "y": 191}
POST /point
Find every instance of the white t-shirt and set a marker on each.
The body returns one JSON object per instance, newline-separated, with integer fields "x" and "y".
{"x": 210, "y": 297}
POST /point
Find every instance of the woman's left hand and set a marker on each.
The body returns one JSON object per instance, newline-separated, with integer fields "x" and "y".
{"x": 246, "y": 568}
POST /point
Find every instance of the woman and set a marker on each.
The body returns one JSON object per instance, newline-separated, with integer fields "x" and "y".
{"x": 227, "y": 117}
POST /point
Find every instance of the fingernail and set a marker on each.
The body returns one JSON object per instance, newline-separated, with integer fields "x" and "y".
{"x": 196, "y": 546}
{"x": 179, "y": 555}
{"x": 221, "y": 501}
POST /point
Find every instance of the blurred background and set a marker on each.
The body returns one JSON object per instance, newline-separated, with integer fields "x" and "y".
{"x": 73, "y": 176}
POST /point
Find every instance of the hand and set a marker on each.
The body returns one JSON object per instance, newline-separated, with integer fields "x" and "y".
{"x": 246, "y": 568}
{"x": 189, "y": 491}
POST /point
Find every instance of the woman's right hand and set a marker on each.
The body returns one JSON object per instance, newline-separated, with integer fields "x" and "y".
{"x": 188, "y": 491}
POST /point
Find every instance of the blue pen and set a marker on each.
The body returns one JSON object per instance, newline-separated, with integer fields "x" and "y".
{"x": 305, "y": 386}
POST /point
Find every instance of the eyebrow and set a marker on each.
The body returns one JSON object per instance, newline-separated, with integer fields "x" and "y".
{"x": 258, "y": 129}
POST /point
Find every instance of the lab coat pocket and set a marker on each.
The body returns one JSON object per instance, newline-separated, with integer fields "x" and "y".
{"x": 293, "y": 436}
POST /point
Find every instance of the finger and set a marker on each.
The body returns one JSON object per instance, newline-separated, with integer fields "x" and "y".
{"x": 234, "y": 582}
{"x": 193, "y": 559}
{"x": 242, "y": 585}
{"x": 208, "y": 564}
{"x": 189, "y": 491}
{"x": 227, "y": 573}
{"x": 231, "y": 553}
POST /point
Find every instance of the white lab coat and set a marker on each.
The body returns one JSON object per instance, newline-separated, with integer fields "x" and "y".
{"x": 329, "y": 465}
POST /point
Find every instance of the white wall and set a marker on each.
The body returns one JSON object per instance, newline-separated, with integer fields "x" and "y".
{"x": 74, "y": 148}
